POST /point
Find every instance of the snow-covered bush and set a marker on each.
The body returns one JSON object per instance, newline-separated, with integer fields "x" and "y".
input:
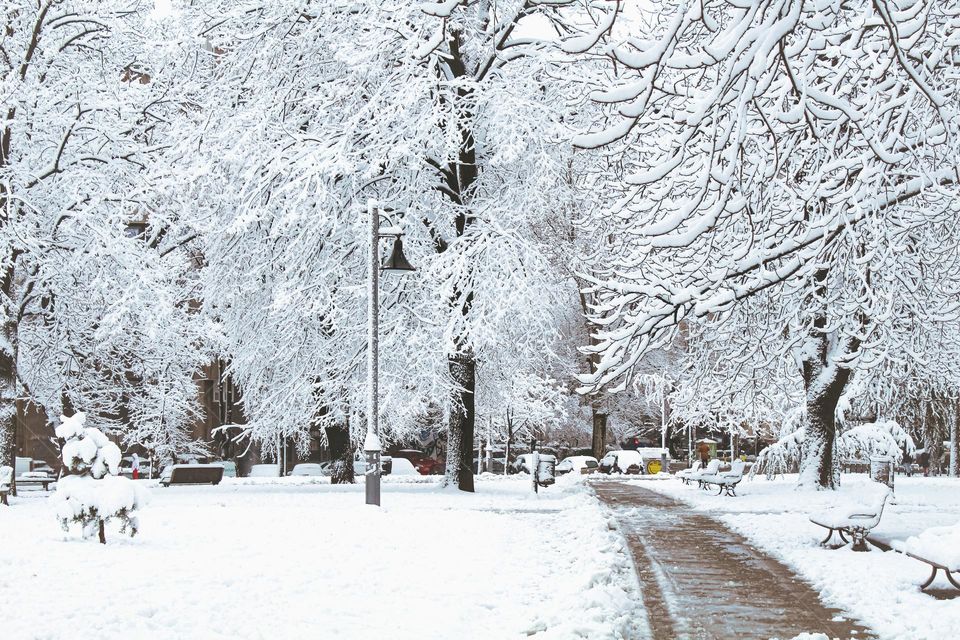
{"x": 92, "y": 492}
{"x": 881, "y": 438}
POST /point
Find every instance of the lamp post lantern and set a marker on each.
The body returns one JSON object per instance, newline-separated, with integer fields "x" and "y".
{"x": 395, "y": 262}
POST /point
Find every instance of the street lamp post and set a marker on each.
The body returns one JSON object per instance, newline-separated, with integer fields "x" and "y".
{"x": 396, "y": 262}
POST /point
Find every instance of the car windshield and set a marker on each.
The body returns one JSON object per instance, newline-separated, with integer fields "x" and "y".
{"x": 591, "y": 464}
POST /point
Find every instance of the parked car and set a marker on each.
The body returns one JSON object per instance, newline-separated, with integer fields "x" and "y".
{"x": 497, "y": 464}
{"x": 229, "y": 468}
{"x": 524, "y": 461}
{"x": 522, "y": 464}
{"x": 583, "y": 465}
{"x": 423, "y": 463}
{"x": 265, "y": 471}
{"x": 308, "y": 469}
{"x": 403, "y": 467}
{"x": 622, "y": 461}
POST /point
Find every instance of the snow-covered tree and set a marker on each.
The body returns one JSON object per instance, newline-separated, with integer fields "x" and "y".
{"x": 443, "y": 112}
{"x": 798, "y": 155}
{"x": 96, "y": 270}
{"x": 91, "y": 492}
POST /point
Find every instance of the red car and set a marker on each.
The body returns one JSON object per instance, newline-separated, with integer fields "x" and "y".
{"x": 424, "y": 464}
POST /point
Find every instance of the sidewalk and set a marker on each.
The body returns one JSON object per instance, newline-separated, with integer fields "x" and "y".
{"x": 702, "y": 581}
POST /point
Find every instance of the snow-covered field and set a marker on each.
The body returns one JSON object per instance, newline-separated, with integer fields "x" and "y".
{"x": 296, "y": 559}
{"x": 880, "y": 589}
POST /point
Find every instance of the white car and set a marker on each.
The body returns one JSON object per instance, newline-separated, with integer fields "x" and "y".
{"x": 623, "y": 461}
{"x": 308, "y": 469}
{"x": 265, "y": 471}
{"x": 403, "y": 467}
{"x": 582, "y": 465}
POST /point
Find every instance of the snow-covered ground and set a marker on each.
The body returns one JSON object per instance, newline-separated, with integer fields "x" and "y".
{"x": 880, "y": 589}
{"x": 293, "y": 559}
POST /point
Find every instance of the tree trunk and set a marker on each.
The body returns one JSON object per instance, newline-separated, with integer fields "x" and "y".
{"x": 462, "y": 420}
{"x": 338, "y": 438}
{"x": 103, "y": 535}
{"x": 598, "y": 443}
{"x": 8, "y": 378}
{"x": 953, "y": 461}
{"x": 819, "y": 467}
{"x": 824, "y": 381}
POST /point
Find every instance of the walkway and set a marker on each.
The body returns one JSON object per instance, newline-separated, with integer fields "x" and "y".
{"x": 702, "y": 581}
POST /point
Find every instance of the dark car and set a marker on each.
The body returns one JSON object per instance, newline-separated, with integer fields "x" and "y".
{"x": 424, "y": 464}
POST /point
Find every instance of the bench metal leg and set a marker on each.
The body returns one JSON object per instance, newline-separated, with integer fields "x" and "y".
{"x": 720, "y": 491}
{"x": 824, "y": 542}
{"x": 933, "y": 576}
{"x": 842, "y": 537}
{"x": 952, "y": 579}
{"x": 859, "y": 540}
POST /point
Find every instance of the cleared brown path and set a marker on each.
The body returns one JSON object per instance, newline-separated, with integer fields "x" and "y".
{"x": 702, "y": 581}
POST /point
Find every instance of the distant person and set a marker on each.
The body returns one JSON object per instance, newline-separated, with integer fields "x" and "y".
{"x": 135, "y": 466}
{"x": 924, "y": 461}
{"x": 704, "y": 451}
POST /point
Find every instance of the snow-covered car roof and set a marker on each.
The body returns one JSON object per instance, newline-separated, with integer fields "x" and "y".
{"x": 578, "y": 461}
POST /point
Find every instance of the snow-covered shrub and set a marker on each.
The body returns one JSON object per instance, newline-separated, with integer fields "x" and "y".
{"x": 93, "y": 493}
{"x": 778, "y": 458}
{"x": 881, "y": 438}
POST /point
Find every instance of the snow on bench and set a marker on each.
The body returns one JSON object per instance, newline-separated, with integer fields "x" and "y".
{"x": 686, "y": 475}
{"x": 6, "y": 476}
{"x": 36, "y": 477}
{"x": 939, "y": 547}
{"x": 726, "y": 480}
{"x": 711, "y": 470}
{"x": 855, "y": 520}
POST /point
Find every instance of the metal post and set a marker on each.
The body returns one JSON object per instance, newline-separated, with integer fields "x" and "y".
{"x": 663, "y": 418}
{"x": 372, "y": 475}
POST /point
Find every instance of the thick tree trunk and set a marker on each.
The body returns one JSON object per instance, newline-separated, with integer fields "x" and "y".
{"x": 819, "y": 467}
{"x": 458, "y": 179}
{"x": 460, "y": 430}
{"x": 824, "y": 381}
{"x": 338, "y": 438}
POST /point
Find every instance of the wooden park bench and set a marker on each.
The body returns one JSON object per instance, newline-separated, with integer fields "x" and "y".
{"x": 6, "y": 476}
{"x": 37, "y": 477}
{"x": 192, "y": 474}
{"x": 855, "y": 521}
{"x": 726, "y": 481}
{"x": 938, "y": 547}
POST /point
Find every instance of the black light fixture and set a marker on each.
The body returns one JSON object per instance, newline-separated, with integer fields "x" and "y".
{"x": 397, "y": 261}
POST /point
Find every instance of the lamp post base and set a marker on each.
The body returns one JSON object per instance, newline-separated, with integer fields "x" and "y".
{"x": 372, "y": 477}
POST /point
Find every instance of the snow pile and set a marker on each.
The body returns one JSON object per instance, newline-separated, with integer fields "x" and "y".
{"x": 93, "y": 493}
{"x": 937, "y": 544}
